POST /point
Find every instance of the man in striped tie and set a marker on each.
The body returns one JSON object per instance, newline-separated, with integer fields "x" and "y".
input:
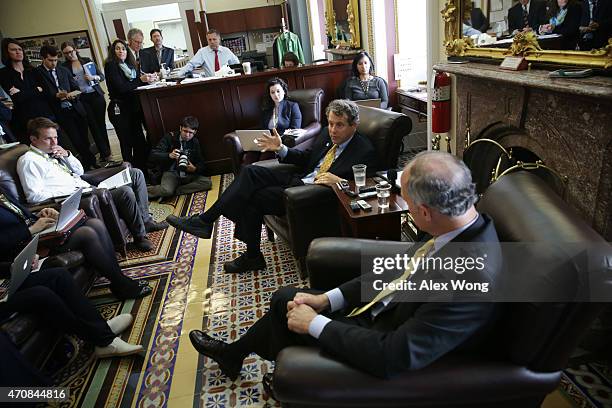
{"x": 258, "y": 190}
{"x": 391, "y": 334}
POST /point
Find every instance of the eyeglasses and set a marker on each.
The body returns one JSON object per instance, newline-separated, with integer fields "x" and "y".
{"x": 69, "y": 52}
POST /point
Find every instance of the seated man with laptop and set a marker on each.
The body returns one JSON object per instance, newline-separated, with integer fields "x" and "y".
{"x": 179, "y": 157}
{"x": 53, "y": 294}
{"x": 18, "y": 226}
{"x": 48, "y": 171}
{"x": 258, "y": 190}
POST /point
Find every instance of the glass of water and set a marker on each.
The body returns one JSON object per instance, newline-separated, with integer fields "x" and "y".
{"x": 383, "y": 191}
{"x": 359, "y": 171}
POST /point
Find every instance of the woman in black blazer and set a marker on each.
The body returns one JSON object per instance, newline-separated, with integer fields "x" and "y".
{"x": 18, "y": 225}
{"x": 92, "y": 95}
{"x": 124, "y": 110}
{"x": 21, "y": 81}
{"x": 278, "y": 113}
{"x": 564, "y": 18}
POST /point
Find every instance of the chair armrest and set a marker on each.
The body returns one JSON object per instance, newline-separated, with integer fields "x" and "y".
{"x": 274, "y": 164}
{"x": 312, "y": 131}
{"x": 91, "y": 205}
{"x": 96, "y": 176}
{"x": 309, "y": 195}
{"x": 333, "y": 261}
{"x": 69, "y": 259}
{"x": 234, "y": 143}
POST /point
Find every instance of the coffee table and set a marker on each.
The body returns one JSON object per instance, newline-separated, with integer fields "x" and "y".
{"x": 379, "y": 223}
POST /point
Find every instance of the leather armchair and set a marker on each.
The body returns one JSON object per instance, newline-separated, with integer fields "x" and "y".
{"x": 310, "y": 101}
{"x": 311, "y": 211}
{"x": 99, "y": 205}
{"x": 32, "y": 338}
{"x": 529, "y": 346}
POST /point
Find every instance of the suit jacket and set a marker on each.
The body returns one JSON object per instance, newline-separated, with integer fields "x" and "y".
{"x": 478, "y": 20}
{"x": 602, "y": 14}
{"x": 410, "y": 335}
{"x": 570, "y": 27}
{"x": 5, "y": 117}
{"x": 121, "y": 89}
{"x": 537, "y": 16}
{"x": 85, "y": 60}
{"x": 167, "y": 57}
{"x": 359, "y": 151}
{"x": 66, "y": 82}
{"x": 289, "y": 117}
{"x": 15, "y": 233}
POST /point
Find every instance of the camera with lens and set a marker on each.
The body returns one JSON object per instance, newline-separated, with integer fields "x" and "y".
{"x": 183, "y": 162}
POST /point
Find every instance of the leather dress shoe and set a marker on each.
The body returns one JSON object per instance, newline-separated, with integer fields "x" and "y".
{"x": 139, "y": 292}
{"x": 193, "y": 225}
{"x": 118, "y": 348}
{"x": 143, "y": 244}
{"x": 244, "y": 264}
{"x": 268, "y": 384}
{"x": 218, "y": 351}
{"x": 152, "y": 226}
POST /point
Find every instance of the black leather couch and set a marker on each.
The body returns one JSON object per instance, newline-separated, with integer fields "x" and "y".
{"x": 528, "y": 348}
{"x": 312, "y": 210}
{"x": 310, "y": 101}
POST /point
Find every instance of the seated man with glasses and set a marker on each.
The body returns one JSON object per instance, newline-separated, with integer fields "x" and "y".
{"x": 179, "y": 157}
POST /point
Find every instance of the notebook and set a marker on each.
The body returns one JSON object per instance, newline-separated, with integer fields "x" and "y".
{"x": 247, "y": 139}
{"x": 68, "y": 210}
{"x": 372, "y": 103}
{"x": 22, "y": 266}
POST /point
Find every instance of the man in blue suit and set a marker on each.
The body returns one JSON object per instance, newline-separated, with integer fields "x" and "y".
{"x": 160, "y": 54}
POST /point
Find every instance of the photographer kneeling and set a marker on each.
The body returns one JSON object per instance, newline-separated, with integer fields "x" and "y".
{"x": 180, "y": 159}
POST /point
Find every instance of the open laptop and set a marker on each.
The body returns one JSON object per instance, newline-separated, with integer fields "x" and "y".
{"x": 69, "y": 210}
{"x": 247, "y": 139}
{"x": 22, "y": 266}
{"x": 372, "y": 103}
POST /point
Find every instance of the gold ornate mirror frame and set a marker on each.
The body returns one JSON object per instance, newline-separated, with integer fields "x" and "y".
{"x": 352, "y": 10}
{"x": 525, "y": 45}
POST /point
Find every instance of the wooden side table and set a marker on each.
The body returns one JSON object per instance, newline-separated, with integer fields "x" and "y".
{"x": 379, "y": 223}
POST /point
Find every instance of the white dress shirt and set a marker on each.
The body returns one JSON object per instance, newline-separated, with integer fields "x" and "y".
{"x": 336, "y": 298}
{"x": 42, "y": 177}
{"x": 205, "y": 57}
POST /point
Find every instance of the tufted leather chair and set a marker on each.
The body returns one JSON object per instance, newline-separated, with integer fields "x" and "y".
{"x": 310, "y": 106}
{"x": 98, "y": 205}
{"x": 528, "y": 347}
{"x": 312, "y": 209}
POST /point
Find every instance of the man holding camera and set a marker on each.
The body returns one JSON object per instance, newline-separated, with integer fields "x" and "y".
{"x": 180, "y": 159}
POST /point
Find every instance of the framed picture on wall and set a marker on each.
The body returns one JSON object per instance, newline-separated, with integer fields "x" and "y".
{"x": 81, "y": 40}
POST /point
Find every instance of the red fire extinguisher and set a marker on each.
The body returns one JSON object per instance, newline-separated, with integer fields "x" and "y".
{"x": 441, "y": 103}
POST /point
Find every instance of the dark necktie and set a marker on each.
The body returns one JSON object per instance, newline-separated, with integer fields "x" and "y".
{"x": 217, "y": 66}
{"x": 525, "y": 16}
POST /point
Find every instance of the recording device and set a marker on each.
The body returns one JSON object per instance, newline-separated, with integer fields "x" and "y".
{"x": 344, "y": 187}
{"x": 378, "y": 179}
{"x": 364, "y": 189}
{"x": 182, "y": 163}
{"x": 364, "y": 206}
{"x": 354, "y": 206}
{"x": 367, "y": 195}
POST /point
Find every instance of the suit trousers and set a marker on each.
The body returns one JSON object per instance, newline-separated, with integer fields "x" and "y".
{"x": 257, "y": 191}
{"x": 270, "y": 334}
{"x": 53, "y": 295}
{"x": 95, "y": 106}
{"x": 75, "y": 127}
{"x": 128, "y": 125}
{"x": 132, "y": 203}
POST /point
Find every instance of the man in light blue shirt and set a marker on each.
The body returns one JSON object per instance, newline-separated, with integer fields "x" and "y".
{"x": 390, "y": 336}
{"x": 212, "y": 57}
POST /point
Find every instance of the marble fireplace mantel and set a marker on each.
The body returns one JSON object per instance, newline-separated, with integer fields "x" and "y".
{"x": 565, "y": 122}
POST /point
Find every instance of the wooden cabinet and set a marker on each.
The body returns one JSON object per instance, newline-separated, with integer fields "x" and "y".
{"x": 251, "y": 19}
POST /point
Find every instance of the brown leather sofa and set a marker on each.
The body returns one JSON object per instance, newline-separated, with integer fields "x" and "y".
{"x": 99, "y": 205}
{"x": 33, "y": 339}
{"x": 310, "y": 101}
{"x": 529, "y": 345}
{"x": 312, "y": 209}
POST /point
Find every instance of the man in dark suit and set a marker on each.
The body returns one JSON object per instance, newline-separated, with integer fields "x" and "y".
{"x": 478, "y": 20}
{"x": 160, "y": 54}
{"x": 596, "y": 24}
{"x": 526, "y": 15}
{"x": 6, "y": 136}
{"x": 258, "y": 191}
{"x": 58, "y": 83}
{"x": 398, "y": 330}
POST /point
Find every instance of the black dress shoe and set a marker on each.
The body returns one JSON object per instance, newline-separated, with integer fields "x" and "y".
{"x": 193, "y": 225}
{"x": 218, "y": 351}
{"x": 143, "y": 244}
{"x": 138, "y": 292}
{"x": 268, "y": 385}
{"x": 244, "y": 264}
{"x": 152, "y": 226}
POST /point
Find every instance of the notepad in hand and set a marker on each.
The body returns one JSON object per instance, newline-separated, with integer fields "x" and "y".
{"x": 120, "y": 179}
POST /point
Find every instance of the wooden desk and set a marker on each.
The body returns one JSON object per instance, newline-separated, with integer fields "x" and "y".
{"x": 225, "y": 104}
{"x": 376, "y": 224}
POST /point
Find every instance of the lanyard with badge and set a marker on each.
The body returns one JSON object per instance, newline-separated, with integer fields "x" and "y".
{"x": 54, "y": 161}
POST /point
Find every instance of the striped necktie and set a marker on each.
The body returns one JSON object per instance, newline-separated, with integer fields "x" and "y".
{"x": 328, "y": 159}
{"x": 525, "y": 16}
{"x": 421, "y": 252}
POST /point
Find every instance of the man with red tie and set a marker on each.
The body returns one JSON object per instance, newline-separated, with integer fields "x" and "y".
{"x": 212, "y": 57}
